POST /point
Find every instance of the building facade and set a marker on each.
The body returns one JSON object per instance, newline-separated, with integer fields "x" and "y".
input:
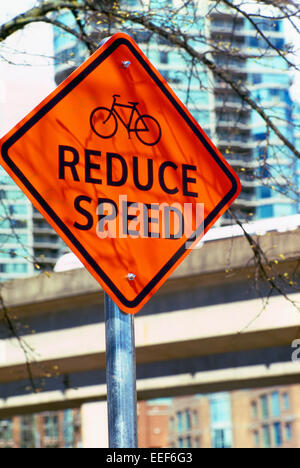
{"x": 58, "y": 429}
{"x": 255, "y": 418}
{"x": 259, "y": 418}
{"x": 153, "y": 424}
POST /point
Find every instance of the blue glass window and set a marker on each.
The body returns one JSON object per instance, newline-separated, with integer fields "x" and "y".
{"x": 275, "y": 403}
{"x": 221, "y": 438}
{"x": 265, "y": 192}
{"x": 220, "y": 411}
{"x": 187, "y": 420}
{"x": 220, "y": 408}
{"x": 256, "y": 78}
{"x": 277, "y": 434}
{"x": 179, "y": 422}
{"x": 266, "y": 211}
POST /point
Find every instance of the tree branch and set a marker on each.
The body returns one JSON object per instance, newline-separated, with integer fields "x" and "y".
{"x": 38, "y": 14}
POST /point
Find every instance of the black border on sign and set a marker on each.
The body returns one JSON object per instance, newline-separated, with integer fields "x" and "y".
{"x": 42, "y": 202}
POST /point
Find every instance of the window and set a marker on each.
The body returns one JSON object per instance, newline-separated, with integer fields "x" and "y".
{"x": 286, "y": 401}
{"x": 179, "y": 422}
{"x": 187, "y": 417}
{"x": 15, "y": 268}
{"x": 275, "y": 403}
{"x": 277, "y": 434}
{"x": 27, "y": 432}
{"x": 265, "y": 192}
{"x": 288, "y": 432}
{"x": 172, "y": 424}
{"x": 51, "y": 425}
{"x": 70, "y": 425}
{"x": 256, "y": 78}
{"x": 163, "y": 57}
{"x": 220, "y": 408}
{"x": 18, "y": 224}
{"x": 188, "y": 442}
{"x": 6, "y": 430}
{"x": 266, "y": 436}
{"x": 195, "y": 418}
{"x": 221, "y": 438}
{"x": 266, "y": 211}
{"x": 256, "y": 439}
{"x": 254, "y": 410}
{"x": 264, "y": 406}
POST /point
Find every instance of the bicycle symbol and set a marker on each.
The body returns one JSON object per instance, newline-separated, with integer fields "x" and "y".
{"x": 104, "y": 122}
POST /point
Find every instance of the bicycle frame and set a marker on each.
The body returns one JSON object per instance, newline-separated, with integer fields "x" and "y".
{"x": 134, "y": 110}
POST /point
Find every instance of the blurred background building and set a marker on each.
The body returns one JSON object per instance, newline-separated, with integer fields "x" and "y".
{"x": 56, "y": 429}
{"x": 259, "y": 418}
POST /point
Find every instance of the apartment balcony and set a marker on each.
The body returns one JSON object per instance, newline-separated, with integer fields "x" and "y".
{"x": 230, "y": 102}
{"x": 242, "y": 161}
{"x": 220, "y": 85}
{"x": 228, "y": 29}
{"x": 250, "y": 183}
{"x": 43, "y": 230}
{"x": 236, "y": 143}
{"x": 243, "y": 125}
{"x": 37, "y": 215}
{"x": 47, "y": 244}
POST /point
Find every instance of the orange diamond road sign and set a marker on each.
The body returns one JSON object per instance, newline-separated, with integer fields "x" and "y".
{"x": 118, "y": 166}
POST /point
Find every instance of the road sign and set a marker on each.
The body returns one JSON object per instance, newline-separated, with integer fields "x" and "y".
{"x": 121, "y": 170}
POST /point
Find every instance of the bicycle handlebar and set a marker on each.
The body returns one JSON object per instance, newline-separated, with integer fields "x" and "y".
{"x": 116, "y": 95}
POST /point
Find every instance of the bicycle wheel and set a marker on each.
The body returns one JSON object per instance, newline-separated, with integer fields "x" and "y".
{"x": 148, "y": 130}
{"x": 103, "y": 122}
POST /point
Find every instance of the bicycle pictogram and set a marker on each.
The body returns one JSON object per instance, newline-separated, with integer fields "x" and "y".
{"x": 104, "y": 122}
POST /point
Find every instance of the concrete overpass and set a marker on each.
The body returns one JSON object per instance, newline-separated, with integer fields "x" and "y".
{"x": 209, "y": 328}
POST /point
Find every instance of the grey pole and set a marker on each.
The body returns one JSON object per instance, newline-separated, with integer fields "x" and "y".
{"x": 120, "y": 373}
{"x": 120, "y": 377}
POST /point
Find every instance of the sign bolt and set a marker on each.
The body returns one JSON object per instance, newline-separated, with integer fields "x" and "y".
{"x": 126, "y": 64}
{"x": 131, "y": 276}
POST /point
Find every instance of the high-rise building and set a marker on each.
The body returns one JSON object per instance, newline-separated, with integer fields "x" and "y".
{"x": 296, "y": 119}
{"x": 27, "y": 243}
{"x": 266, "y": 167}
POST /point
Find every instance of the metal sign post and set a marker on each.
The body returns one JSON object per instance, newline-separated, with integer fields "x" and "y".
{"x": 120, "y": 377}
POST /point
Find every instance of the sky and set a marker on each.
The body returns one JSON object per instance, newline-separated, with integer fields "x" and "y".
{"x": 14, "y": 7}
{"x": 26, "y": 67}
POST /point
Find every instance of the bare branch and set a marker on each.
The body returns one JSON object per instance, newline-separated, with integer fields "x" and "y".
{"x": 261, "y": 33}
